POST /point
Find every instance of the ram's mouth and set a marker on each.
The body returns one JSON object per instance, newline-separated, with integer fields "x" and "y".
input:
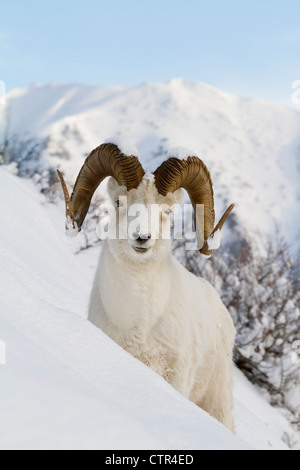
{"x": 140, "y": 249}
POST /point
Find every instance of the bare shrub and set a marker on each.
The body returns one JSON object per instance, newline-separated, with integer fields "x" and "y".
{"x": 260, "y": 286}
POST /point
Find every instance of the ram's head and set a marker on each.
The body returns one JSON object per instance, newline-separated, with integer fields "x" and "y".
{"x": 129, "y": 182}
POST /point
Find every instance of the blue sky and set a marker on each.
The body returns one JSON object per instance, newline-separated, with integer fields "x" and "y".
{"x": 247, "y": 47}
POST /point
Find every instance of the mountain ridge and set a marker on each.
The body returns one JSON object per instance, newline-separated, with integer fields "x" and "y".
{"x": 251, "y": 146}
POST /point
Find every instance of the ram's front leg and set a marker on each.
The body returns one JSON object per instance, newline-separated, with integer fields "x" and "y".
{"x": 216, "y": 396}
{"x": 221, "y": 410}
{"x": 180, "y": 375}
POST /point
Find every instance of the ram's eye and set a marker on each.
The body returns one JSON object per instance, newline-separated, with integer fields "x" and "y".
{"x": 168, "y": 212}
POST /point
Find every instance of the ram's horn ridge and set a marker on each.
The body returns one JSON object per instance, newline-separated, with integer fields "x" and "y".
{"x": 105, "y": 160}
{"x": 192, "y": 175}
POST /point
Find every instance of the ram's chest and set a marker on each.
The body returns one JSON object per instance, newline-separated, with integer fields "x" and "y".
{"x": 152, "y": 354}
{"x": 133, "y": 303}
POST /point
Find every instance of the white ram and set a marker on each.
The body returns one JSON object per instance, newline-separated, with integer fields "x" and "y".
{"x": 142, "y": 297}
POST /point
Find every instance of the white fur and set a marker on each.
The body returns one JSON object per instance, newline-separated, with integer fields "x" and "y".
{"x": 163, "y": 315}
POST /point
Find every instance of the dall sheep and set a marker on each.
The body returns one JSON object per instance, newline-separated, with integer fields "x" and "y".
{"x": 142, "y": 297}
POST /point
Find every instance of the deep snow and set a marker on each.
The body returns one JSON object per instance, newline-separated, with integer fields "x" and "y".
{"x": 66, "y": 384}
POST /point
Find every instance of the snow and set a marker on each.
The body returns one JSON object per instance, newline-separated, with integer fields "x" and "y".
{"x": 66, "y": 385}
{"x": 149, "y": 176}
{"x": 205, "y": 256}
{"x": 214, "y": 241}
{"x": 126, "y": 147}
{"x": 236, "y": 138}
{"x": 181, "y": 153}
{"x": 71, "y": 228}
{"x": 2, "y": 353}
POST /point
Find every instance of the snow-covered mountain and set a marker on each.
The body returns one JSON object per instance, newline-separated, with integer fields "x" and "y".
{"x": 252, "y": 147}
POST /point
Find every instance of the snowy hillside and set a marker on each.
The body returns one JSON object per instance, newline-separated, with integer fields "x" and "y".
{"x": 67, "y": 385}
{"x": 252, "y": 147}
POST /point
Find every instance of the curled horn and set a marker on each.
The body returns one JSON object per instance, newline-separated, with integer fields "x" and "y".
{"x": 192, "y": 175}
{"x": 105, "y": 160}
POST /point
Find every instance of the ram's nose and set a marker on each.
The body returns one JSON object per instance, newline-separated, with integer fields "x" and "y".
{"x": 141, "y": 239}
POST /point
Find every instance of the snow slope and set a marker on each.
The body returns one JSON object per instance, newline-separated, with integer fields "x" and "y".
{"x": 251, "y": 146}
{"x": 67, "y": 385}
